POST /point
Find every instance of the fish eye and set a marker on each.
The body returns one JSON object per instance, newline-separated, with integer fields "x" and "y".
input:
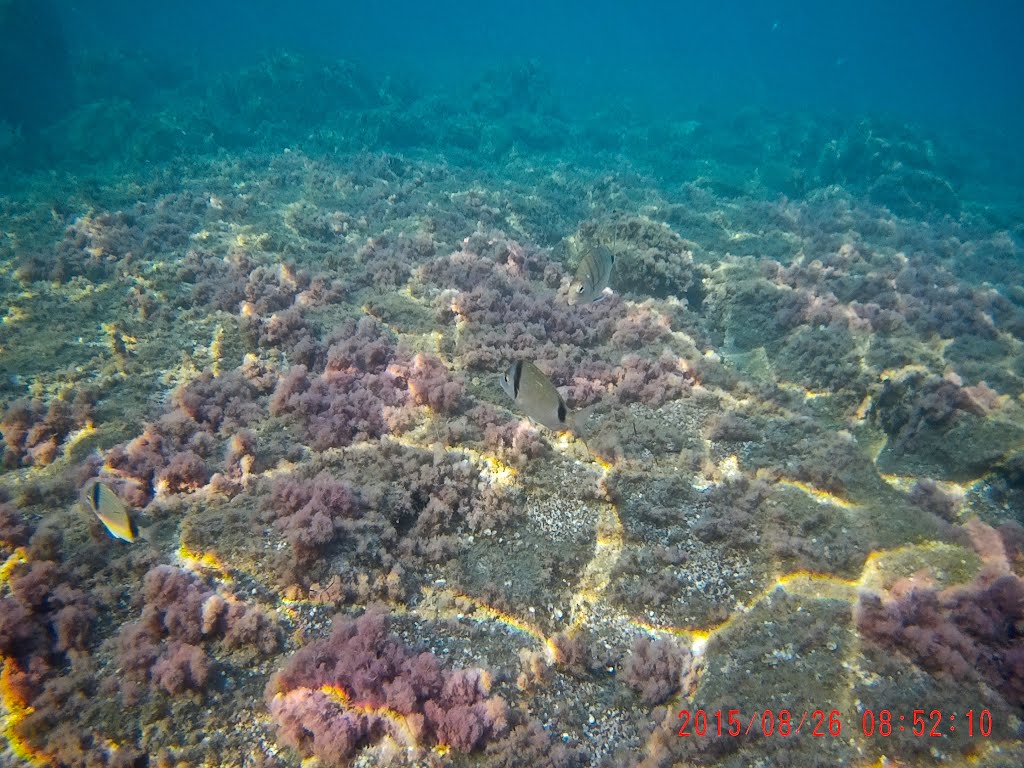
{"x": 580, "y": 289}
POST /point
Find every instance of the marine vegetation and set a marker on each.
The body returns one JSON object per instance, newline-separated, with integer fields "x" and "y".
{"x": 264, "y": 500}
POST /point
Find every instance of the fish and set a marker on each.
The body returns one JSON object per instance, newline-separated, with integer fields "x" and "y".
{"x": 110, "y": 510}
{"x": 537, "y": 397}
{"x": 592, "y": 275}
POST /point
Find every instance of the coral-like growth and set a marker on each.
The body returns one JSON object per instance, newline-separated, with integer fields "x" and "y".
{"x": 505, "y": 310}
{"x": 93, "y": 246}
{"x": 927, "y": 495}
{"x": 387, "y": 263}
{"x": 378, "y": 514}
{"x": 203, "y": 430}
{"x": 432, "y": 384}
{"x": 655, "y": 669}
{"x": 342, "y": 693}
{"x": 14, "y": 531}
{"x": 33, "y": 431}
{"x": 652, "y": 382}
{"x": 512, "y": 438}
{"x": 168, "y": 646}
{"x": 221, "y": 405}
{"x": 906, "y": 407}
{"x": 428, "y": 496}
{"x": 504, "y": 314}
{"x": 286, "y": 330}
{"x": 572, "y": 651}
{"x": 731, "y": 427}
{"x": 181, "y": 667}
{"x": 312, "y": 513}
{"x": 43, "y": 617}
{"x": 354, "y": 397}
{"x": 945, "y": 425}
{"x": 46, "y": 627}
{"x": 184, "y": 473}
{"x": 530, "y": 744}
{"x": 970, "y": 632}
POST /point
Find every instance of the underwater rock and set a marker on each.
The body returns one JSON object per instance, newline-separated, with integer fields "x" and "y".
{"x": 774, "y": 663}
{"x": 967, "y": 634}
{"x": 913, "y": 193}
{"x": 941, "y": 429}
{"x": 650, "y": 258}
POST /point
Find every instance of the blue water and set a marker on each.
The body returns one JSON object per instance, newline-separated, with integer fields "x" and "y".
{"x": 952, "y": 70}
{"x": 943, "y": 60}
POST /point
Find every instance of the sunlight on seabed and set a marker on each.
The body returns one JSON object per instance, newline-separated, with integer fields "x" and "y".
{"x": 819, "y": 495}
{"x": 16, "y": 710}
{"x": 204, "y": 561}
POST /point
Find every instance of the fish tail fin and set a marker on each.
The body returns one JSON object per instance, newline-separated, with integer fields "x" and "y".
{"x": 580, "y": 420}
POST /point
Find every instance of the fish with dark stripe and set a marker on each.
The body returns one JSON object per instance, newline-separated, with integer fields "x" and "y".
{"x": 593, "y": 275}
{"x": 109, "y": 510}
{"x": 537, "y": 397}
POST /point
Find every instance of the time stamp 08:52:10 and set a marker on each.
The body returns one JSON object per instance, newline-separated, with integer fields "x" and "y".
{"x": 822, "y": 723}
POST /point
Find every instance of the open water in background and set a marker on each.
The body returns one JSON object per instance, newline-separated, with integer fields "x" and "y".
{"x": 952, "y": 68}
{"x": 944, "y": 60}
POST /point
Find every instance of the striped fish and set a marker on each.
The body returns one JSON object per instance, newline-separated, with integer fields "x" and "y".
{"x": 537, "y": 397}
{"x": 592, "y": 275}
{"x": 110, "y": 510}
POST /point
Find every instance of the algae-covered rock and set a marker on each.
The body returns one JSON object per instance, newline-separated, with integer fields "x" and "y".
{"x": 940, "y": 428}
{"x": 822, "y": 358}
{"x": 962, "y": 451}
{"x": 778, "y": 668}
{"x": 915, "y": 193}
{"x": 650, "y": 258}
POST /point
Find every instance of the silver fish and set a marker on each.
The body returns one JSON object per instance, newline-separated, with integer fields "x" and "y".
{"x": 592, "y": 275}
{"x": 110, "y": 510}
{"x": 537, "y": 397}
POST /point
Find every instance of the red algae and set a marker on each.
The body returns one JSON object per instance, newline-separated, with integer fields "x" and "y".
{"x": 806, "y": 378}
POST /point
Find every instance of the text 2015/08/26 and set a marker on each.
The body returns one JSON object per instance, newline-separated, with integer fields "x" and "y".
{"x": 767, "y": 723}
